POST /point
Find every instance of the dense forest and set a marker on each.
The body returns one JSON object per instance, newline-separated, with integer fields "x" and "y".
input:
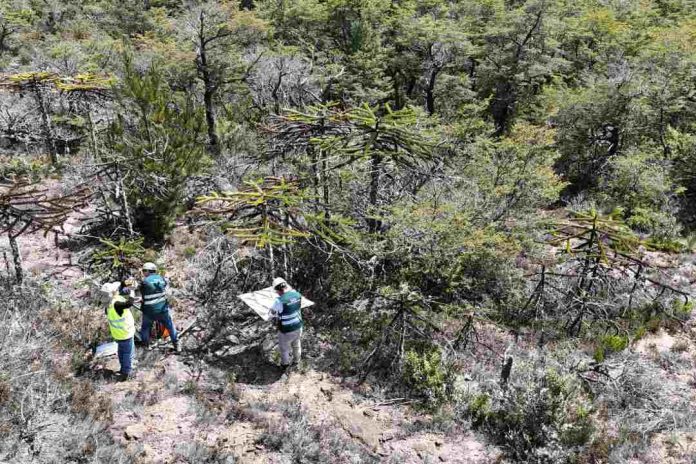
{"x": 491, "y": 202}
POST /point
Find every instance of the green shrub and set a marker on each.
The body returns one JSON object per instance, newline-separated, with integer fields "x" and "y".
{"x": 480, "y": 408}
{"x": 610, "y": 344}
{"x": 161, "y": 133}
{"x": 682, "y": 311}
{"x": 33, "y": 170}
{"x": 189, "y": 252}
{"x": 666, "y": 244}
{"x": 425, "y": 375}
{"x": 662, "y": 225}
{"x": 118, "y": 258}
{"x": 615, "y": 342}
{"x": 539, "y": 417}
{"x": 640, "y": 332}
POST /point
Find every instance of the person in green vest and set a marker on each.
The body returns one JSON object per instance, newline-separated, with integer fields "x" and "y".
{"x": 155, "y": 306}
{"x": 286, "y": 312}
{"x": 122, "y": 327}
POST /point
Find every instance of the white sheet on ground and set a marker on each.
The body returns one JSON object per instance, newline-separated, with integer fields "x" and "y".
{"x": 106, "y": 349}
{"x": 262, "y": 300}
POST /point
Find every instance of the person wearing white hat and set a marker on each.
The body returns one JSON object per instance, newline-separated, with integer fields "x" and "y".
{"x": 121, "y": 325}
{"x": 155, "y": 306}
{"x": 286, "y": 312}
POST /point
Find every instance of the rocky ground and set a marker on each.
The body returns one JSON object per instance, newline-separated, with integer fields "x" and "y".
{"x": 177, "y": 409}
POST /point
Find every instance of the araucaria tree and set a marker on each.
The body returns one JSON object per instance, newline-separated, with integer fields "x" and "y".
{"x": 157, "y": 141}
{"x": 26, "y": 208}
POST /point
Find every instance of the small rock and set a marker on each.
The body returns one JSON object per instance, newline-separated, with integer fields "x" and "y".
{"x": 327, "y": 393}
{"x": 368, "y": 413}
{"x": 442, "y": 458}
{"x": 134, "y": 432}
{"x": 438, "y": 442}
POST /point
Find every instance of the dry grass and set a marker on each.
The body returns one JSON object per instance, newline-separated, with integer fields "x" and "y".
{"x": 45, "y": 418}
{"x": 294, "y": 436}
{"x": 87, "y": 401}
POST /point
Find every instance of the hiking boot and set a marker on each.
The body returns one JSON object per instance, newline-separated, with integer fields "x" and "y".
{"x": 298, "y": 366}
{"x": 284, "y": 372}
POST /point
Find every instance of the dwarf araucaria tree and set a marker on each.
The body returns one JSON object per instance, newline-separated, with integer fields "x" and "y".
{"x": 27, "y": 208}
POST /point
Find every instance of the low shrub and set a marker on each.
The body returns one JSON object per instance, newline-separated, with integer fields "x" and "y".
{"x": 44, "y": 417}
{"x": 294, "y": 436}
{"x": 425, "y": 375}
{"x": 201, "y": 453}
{"x": 610, "y": 344}
{"x": 85, "y": 400}
{"x": 541, "y": 416}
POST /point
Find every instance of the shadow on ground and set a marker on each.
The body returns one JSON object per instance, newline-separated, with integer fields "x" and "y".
{"x": 250, "y": 366}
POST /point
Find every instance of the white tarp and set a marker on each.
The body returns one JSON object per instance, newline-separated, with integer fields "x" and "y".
{"x": 106, "y": 349}
{"x": 261, "y": 301}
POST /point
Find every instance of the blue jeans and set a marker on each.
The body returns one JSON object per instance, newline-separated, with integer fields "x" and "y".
{"x": 126, "y": 350}
{"x": 163, "y": 317}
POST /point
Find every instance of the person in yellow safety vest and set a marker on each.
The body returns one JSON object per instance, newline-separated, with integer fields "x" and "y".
{"x": 122, "y": 327}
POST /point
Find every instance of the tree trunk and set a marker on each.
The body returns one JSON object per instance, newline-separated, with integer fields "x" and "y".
{"x": 315, "y": 171}
{"x": 325, "y": 186}
{"x": 120, "y": 189}
{"x": 45, "y": 123}
{"x": 502, "y": 107}
{"x": 7, "y": 264}
{"x": 208, "y": 90}
{"x": 5, "y": 33}
{"x": 17, "y": 257}
{"x": 213, "y": 139}
{"x": 123, "y": 200}
{"x": 506, "y": 370}
{"x": 375, "y": 166}
{"x": 472, "y": 74}
{"x": 398, "y": 103}
{"x": 430, "y": 92}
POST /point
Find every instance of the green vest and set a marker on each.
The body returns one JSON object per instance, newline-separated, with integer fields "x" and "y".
{"x": 153, "y": 290}
{"x": 122, "y": 327}
{"x": 290, "y": 319}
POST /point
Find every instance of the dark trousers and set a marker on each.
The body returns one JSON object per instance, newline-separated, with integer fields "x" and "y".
{"x": 126, "y": 350}
{"x": 163, "y": 317}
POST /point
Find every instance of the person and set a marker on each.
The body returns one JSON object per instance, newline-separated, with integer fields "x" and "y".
{"x": 286, "y": 312}
{"x": 155, "y": 306}
{"x": 122, "y": 328}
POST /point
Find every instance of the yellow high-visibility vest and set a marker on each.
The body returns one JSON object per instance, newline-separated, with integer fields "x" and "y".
{"x": 122, "y": 327}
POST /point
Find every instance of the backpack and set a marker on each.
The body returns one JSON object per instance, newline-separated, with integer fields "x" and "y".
{"x": 158, "y": 331}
